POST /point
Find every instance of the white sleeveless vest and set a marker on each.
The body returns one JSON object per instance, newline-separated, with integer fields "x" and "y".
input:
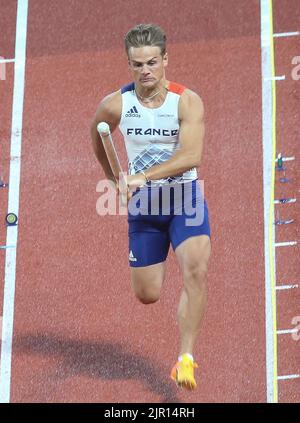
{"x": 152, "y": 135}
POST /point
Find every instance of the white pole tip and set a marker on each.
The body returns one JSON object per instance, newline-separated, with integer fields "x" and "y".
{"x": 103, "y": 128}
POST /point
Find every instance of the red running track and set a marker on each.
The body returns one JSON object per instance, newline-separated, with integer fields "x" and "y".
{"x": 79, "y": 333}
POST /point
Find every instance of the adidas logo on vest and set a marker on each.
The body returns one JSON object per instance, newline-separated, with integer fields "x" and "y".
{"x": 131, "y": 256}
{"x": 133, "y": 112}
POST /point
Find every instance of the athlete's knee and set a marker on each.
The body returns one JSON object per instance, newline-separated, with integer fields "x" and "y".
{"x": 147, "y": 298}
{"x": 147, "y": 292}
{"x": 147, "y": 283}
{"x": 195, "y": 272}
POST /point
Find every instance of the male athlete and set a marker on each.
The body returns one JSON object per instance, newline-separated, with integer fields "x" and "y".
{"x": 163, "y": 128}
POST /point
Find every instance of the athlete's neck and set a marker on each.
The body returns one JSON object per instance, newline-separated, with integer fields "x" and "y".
{"x": 155, "y": 93}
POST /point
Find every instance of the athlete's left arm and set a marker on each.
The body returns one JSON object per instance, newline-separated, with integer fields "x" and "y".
{"x": 191, "y": 139}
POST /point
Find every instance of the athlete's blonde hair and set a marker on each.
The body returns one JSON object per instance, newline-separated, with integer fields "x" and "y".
{"x": 146, "y": 35}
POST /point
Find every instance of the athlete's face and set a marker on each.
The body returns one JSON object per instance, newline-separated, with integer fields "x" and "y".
{"x": 147, "y": 65}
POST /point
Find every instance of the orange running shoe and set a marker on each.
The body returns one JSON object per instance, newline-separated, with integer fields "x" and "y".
{"x": 183, "y": 373}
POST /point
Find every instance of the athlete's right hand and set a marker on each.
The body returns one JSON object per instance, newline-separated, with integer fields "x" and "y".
{"x": 123, "y": 191}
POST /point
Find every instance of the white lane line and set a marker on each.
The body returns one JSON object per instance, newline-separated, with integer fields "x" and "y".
{"x": 286, "y": 377}
{"x": 287, "y": 201}
{"x": 286, "y": 34}
{"x": 7, "y": 60}
{"x": 275, "y": 78}
{"x": 13, "y": 201}
{"x": 268, "y": 181}
{"x": 285, "y": 244}
{"x": 287, "y": 331}
{"x": 283, "y": 287}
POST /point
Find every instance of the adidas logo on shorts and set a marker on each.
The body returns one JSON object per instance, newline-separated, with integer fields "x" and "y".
{"x": 133, "y": 112}
{"x": 131, "y": 256}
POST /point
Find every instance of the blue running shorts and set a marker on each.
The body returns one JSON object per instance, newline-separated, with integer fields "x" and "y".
{"x": 160, "y": 215}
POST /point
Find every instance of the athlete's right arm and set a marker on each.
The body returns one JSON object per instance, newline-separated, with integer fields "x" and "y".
{"x": 109, "y": 111}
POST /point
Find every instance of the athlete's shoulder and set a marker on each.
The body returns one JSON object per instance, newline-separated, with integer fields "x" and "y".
{"x": 112, "y": 103}
{"x": 112, "y": 100}
{"x": 190, "y": 103}
{"x": 176, "y": 88}
{"x": 183, "y": 91}
{"x": 190, "y": 97}
{"x": 109, "y": 109}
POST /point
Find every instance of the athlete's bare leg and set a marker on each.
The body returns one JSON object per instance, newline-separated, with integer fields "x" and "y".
{"x": 193, "y": 256}
{"x": 147, "y": 282}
